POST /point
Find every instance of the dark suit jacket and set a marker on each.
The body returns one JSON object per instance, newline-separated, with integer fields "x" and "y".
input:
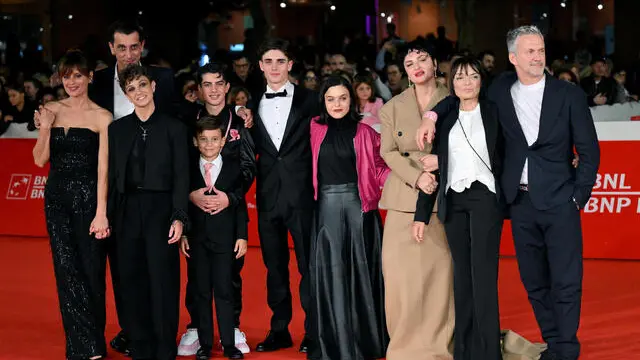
{"x": 285, "y": 176}
{"x": 239, "y": 144}
{"x": 166, "y": 162}
{"x": 606, "y": 86}
{"x": 448, "y": 111}
{"x": 219, "y": 232}
{"x": 165, "y": 98}
{"x": 565, "y": 123}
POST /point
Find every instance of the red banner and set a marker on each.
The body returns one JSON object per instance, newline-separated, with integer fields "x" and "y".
{"x": 610, "y": 220}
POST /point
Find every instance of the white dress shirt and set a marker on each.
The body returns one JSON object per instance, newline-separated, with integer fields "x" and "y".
{"x": 465, "y": 167}
{"x": 215, "y": 170}
{"x": 527, "y": 100}
{"x": 275, "y": 112}
{"x": 121, "y": 104}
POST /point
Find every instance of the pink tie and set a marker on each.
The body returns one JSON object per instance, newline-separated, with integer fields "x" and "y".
{"x": 207, "y": 175}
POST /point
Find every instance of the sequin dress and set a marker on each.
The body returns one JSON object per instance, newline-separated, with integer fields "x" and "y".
{"x": 78, "y": 258}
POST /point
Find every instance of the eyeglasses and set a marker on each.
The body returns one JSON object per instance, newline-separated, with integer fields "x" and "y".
{"x": 310, "y": 78}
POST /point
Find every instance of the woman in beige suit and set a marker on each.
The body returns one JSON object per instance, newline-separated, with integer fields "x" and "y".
{"x": 418, "y": 275}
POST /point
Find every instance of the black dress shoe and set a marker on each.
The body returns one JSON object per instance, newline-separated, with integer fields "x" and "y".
{"x": 232, "y": 352}
{"x": 120, "y": 343}
{"x": 203, "y": 353}
{"x": 304, "y": 345}
{"x": 275, "y": 341}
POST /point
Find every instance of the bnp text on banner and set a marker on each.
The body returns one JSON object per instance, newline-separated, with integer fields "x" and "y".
{"x": 612, "y": 194}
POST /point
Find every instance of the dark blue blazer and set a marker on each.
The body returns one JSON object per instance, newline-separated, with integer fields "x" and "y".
{"x": 565, "y": 124}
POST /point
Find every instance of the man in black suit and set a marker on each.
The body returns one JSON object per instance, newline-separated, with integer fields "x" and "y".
{"x": 218, "y": 236}
{"x": 543, "y": 119}
{"x": 149, "y": 189}
{"x": 126, "y": 44}
{"x": 284, "y": 186}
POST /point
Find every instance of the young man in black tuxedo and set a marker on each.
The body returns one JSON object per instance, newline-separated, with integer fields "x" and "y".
{"x": 284, "y": 186}
{"x": 127, "y": 44}
{"x": 148, "y": 197}
{"x": 218, "y": 237}
{"x": 213, "y": 86}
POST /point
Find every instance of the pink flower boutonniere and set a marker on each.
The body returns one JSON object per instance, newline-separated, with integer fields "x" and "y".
{"x": 234, "y": 134}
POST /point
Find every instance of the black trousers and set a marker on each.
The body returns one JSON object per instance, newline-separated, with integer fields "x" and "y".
{"x": 149, "y": 270}
{"x": 213, "y": 281}
{"x": 273, "y": 227}
{"x": 112, "y": 256}
{"x": 549, "y": 250}
{"x": 473, "y": 226}
{"x": 236, "y": 282}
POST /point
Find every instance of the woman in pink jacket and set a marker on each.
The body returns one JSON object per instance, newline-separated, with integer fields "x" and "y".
{"x": 347, "y": 309}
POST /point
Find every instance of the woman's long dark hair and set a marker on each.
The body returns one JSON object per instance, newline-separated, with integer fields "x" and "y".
{"x": 336, "y": 80}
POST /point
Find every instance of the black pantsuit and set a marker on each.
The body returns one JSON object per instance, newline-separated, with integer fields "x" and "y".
{"x": 473, "y": 226}
{"x": 149, "y": 276}
{"x": 273, "y": 227}
{"x": 554, "y": 285}
{"x": 473, "y": 223}
{"x": 148, "y": 191}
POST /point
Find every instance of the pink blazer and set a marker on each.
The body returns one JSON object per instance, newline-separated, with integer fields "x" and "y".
{"x": 372, "y": 170}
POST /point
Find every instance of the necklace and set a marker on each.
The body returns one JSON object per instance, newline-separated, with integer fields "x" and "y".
{"x": 144, "y": 133}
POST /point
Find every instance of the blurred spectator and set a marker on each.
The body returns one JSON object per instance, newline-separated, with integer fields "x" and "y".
{"x": 17, "y": 119}
{"x": 238, "y": 96}
{"x": 310, "y": 80}
{"x": 566, "y": 75}
{"x": 45, "y": 95}
{"x": 31, "y": 88}
{"x": 600, "y": 89}
{"x": 624, "y": 96}
{"x": 60, "y": 92}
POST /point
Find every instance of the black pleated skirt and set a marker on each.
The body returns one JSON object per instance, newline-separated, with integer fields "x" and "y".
{"x": 347, "y": 289}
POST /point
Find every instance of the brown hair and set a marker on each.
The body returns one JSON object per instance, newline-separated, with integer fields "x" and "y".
{"x": 208, "y": 122}
{"x": 365, "y": 78}
{"x": 131, "y": 73}
{"x": 73, "y": 60}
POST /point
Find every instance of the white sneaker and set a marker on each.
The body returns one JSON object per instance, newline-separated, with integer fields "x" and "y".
{"x": 189, "y": 343}
{"x": 241, "y": 342}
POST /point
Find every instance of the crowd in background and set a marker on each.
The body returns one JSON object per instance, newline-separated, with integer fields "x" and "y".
{"x": 30, "y": 82}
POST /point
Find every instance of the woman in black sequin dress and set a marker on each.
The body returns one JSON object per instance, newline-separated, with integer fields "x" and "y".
{"x": 73, "y": 138}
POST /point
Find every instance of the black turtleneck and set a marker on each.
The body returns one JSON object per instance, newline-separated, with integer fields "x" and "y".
{"x": 136, "y": 162}
{"x": 337, "y": 158}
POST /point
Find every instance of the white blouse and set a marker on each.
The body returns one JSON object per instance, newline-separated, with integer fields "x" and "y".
{"x": 465, "y": 166}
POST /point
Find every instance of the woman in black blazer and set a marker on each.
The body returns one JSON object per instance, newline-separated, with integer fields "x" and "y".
{"x": 469, "y": 147}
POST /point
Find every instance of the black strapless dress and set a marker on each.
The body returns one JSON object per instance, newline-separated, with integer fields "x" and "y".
{"x": 79, "y": 259}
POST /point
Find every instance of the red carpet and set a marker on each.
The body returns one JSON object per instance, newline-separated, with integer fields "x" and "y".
{"x": 30, "y": 326}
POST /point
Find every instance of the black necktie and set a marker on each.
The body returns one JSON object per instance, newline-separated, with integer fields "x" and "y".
{"x": 278, "y": 94}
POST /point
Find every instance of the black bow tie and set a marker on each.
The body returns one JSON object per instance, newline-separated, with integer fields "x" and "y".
{"x": 278, "y": 94}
